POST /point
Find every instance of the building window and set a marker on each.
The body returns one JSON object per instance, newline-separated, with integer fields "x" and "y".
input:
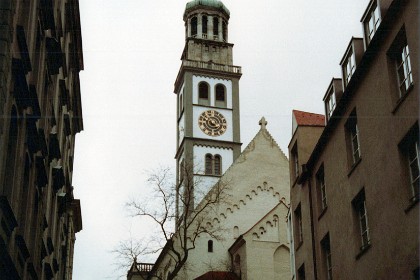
{"x": 213, "y": 165}
{"x": 352, "y": 130}
{"x": 220, "y": 95}
{"x": 410, "y": 151}
{"x": 224, "y": 31}
{"x": 331, "y": 103}
{"x": 404, "y": 69}
{"x": 295, "y": 161}
{"x": 208, "y": 164}
{"x": 359, "y": 205}
{"x": 322, "y": 195}
{"x": 217, "y": 165}
{"x": 194, "y": 27}
{"x": 400, "y": 54}
{"x": 204, "y": 27}
{"x": 349, "y": 66}
{"x": 210, "y": 246}
{"x": 215, "y": 28}
{"x": 298, "y": 226}
{"x": 326, "y": 252}
{"x": 372, "y": 21}
{"x": 203, "y": 93}
{"x": 301, "y": 272}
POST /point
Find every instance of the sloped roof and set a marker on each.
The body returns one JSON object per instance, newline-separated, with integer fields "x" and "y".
{"x": 308, "y": 119}
{"x": 218, "y": 275}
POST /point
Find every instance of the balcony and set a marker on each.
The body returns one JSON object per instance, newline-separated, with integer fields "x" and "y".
{"x": 236, "y": 70}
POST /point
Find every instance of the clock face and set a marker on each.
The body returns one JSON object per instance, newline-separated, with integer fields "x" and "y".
{"x": 212, "y": 123}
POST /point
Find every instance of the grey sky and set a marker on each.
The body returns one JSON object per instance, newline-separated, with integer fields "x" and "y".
{"x": 288, "y": 50}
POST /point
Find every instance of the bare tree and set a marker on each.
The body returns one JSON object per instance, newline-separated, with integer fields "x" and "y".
{"x": 178, "y": 230}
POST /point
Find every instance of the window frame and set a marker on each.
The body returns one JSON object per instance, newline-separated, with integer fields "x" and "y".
{"x": 194, "y": 26}
{"x": 359, "y": 206}
{"x": 349, "y": 65}
{"x": 326, "y": 251}
{"x": 298, "y": 230}
{"x": 222, "y": 102}
{"x": 321, "y": 186}
{"x": 353, "y": 139}
{"x": 399, "y": 54}
{"x": 410, "y": 151}
{"x": 372, "y": 21}
{"x": 203, "y": 100}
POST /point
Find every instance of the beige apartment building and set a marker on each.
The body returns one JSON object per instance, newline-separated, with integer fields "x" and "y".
{"x": 40, "y": 108}
{"x": 355, "y": 178}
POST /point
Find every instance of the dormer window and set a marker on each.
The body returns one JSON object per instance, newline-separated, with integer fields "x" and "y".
{"x": 332, "y": 97}
{"x": 349, "y": 66}
{"x": 372, "y": 21}
{"x": 331, "y": 102}
{"x": 351, "y": 58}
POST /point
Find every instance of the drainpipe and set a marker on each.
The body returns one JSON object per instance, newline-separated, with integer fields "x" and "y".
{"x": 306, "y": 177}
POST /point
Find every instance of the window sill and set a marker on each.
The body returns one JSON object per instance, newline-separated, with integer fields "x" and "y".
{"x": 363, "y": 251}
{"x": 299, "y": 245}
{"x": 323, "y": 212}
{"x": 353, "y": 167}
{"x": 413, "y": 202}
{"x": 402, "y": 98}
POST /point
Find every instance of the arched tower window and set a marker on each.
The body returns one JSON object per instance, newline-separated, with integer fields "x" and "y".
{"x": 217, "y": 165}
{"x": 220, "y": 95}
{"x": 193, "y": 26}
{"x": 224, "y": 31}
{"x": 204, "y": 26}
{"x": 210, "y": 246}
{"x": 215, "y": 28}
{"x": 209, "y": 164}
{"x": 203, "y": 93}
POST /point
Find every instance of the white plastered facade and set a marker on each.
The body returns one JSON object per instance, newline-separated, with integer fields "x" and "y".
{"x": 258, "y": 182}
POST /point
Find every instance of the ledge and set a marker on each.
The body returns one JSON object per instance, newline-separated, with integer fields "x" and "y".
{"x": 413, "y": 202}
{"x": 323, "y": 212}
{"x": 402, "y": 98}
{"x": 353, "y": 167}
{"x": 363, "y": 251}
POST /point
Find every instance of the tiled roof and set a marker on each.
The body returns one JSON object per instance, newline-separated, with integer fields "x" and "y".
{"x": 308, "y": 119}
{"x": 218, "y": 275}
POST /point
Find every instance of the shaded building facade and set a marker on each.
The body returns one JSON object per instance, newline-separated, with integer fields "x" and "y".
{"x": 355, "y": 182}
{"x": 40, "y": 104}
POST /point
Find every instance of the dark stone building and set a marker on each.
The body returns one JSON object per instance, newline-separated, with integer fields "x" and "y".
{"x": 355, "y": 181}
{"x": 40, "y": 108}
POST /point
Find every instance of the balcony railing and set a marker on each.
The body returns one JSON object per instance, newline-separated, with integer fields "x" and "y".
{"x": 212, "y": 66}
{"x": 144, "y": 267}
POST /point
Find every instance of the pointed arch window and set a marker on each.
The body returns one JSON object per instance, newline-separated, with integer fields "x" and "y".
{"x": 194, "y": 27}
{"x": 220, "y": 95}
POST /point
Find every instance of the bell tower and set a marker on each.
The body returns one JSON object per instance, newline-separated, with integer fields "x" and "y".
{"x": 207, "y": 89}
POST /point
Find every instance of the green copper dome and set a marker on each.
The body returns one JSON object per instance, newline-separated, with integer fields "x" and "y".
{"x": 210, "y": 3}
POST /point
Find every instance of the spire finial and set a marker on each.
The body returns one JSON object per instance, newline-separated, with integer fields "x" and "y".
{"x": 263, "y": 123}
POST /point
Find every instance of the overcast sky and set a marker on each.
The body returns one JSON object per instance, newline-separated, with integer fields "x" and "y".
{"x": 288, "y": 50}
